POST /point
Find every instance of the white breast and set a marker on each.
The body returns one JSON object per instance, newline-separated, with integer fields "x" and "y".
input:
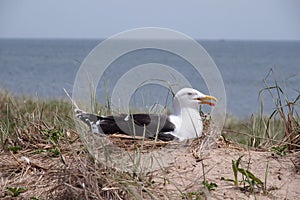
{"x": 188, "y": 124}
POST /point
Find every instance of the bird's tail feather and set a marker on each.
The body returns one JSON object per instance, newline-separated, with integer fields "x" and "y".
{"x": 91, "y": 120}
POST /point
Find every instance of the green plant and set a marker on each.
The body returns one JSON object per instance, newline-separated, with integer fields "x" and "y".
{"x": 16, "y": 191}
{"x": 193, "y": 195}
{"x": 247, "y": 176}
{"x": 280, "y": 128}
{"x": 285, "y": 110}
{"x": 39, "y": 151}
{"x": 210, "y": 186}
{"x": 280, "y": 150}
{"x": 14, "y": 149}
{"x": 34, "y": 198}
{"x": 266, "y": 178}
{"x": 55, "y": 152}
{"x": 235, "y": 167}
{"x": 54, "y": 135}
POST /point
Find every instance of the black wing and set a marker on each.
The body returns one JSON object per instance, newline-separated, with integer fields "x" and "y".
{"x": 148, "y": 125}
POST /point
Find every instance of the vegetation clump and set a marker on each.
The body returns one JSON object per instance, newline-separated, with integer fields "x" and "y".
{"x": 43, "y": 157}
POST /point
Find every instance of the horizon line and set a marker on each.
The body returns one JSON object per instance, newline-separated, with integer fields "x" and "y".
{"x": 197, "y": 39}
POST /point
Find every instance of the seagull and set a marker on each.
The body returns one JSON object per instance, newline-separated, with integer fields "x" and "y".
{"x": 185, "y": 123}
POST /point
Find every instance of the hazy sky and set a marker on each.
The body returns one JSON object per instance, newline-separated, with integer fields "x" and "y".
{"x": 209, "y": 19}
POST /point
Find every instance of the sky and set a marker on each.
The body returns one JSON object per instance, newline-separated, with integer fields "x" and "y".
{"x": 200, "y": 19}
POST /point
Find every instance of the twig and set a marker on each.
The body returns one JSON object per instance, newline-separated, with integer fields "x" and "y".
{"x": 73, "y": 102}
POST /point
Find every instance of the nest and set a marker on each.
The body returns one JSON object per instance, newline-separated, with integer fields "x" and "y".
{"x": 45, "y": 162}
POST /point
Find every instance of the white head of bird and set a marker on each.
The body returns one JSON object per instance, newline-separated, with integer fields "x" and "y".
{"x": 189, "y": 98}
{"x": 186, "y": 105}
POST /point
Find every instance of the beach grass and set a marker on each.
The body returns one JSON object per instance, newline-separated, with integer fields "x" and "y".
{"x": 280, "y": 128}
{"x": 62, "y": 167}
{"x": 21, "y": 112}
{"x": 39, "y": 135}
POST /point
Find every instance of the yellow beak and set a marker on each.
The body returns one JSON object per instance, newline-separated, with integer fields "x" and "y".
{"x": 207, "y": 100}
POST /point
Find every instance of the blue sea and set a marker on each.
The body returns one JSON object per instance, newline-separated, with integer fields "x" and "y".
{"x": 42, "y": 68}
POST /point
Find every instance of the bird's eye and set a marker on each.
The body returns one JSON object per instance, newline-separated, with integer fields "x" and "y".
{"x": 190, "y": 93}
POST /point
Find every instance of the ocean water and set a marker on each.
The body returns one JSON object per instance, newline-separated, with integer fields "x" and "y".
{"x": 42, "y": 68}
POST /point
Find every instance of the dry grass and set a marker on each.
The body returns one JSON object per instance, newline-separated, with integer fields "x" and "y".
{"x": 61, "y": 170}
{"x": 279, "y": 129}
{"x": 43, "y": 157}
